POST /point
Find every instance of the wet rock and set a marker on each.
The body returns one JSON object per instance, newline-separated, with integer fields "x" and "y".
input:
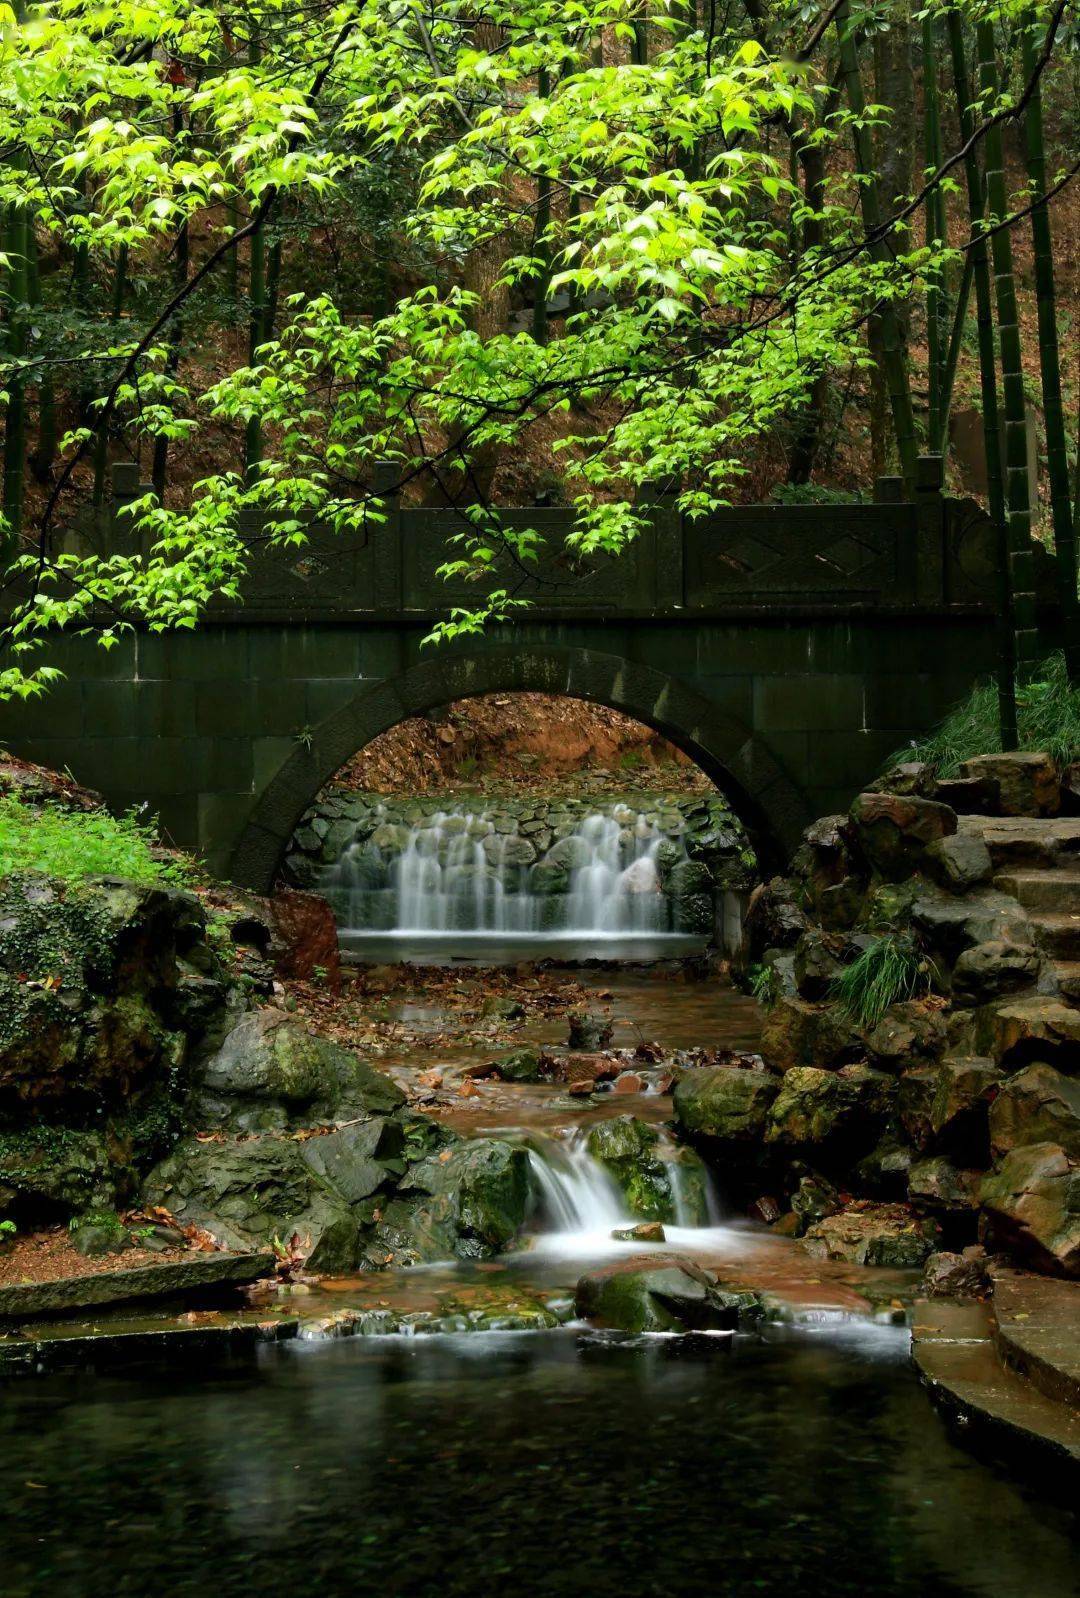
{"x": 628, "y": 1082}
{"x": 909, "y": 778}
{"x": 959, "y": 862}
{"x": 521, "y": 1065}
{"x": 251, "y": 1192}
{"x": 813, "y": 1200}
{"x": 356, "y": 1160}
{"x": 1028, "y": 784}
{"x": 959, "y": 1108}
{"x": 950, "y": 925}
{"x": 908, "y": 1031}
{"x": 724, "y": 1104}
{"x": 688, "y": 878}
{"x": 589, "y": 1032}
{"x": 915, "y": 1101}
{"x": 969, "y": 796}
{"x": 660, "y": 1294}
{"x": 1038, "y": 1105}
{"x": 773, "y": 919}
{"x": 1032, "y": 1204}
{"x": 96, "y": 1238}
{"x": 589, "y": 1068}
{"x": 305, "y": 937}
{"x": 499, "y": 1008}
{"x": 815, "y": 1107}
{"x": 798, "y": 1033}
{"x": 962, "y": 1275}
{"x": 643, "y": 1232}
{"x": 874, "y": 1234}
{"x": 938, "y": 1185}
{"x": 883, "y": 1172}
{"x": 1018, "y": 1031}
{"x": 988, "y": 970}
{"x": 693, "y": 914}
{"x": 627, "y": 1149}
{"x": 478, "y": 1192}
{"x": 272, "y": 1072}
{"x": 817, "y": 963}
{"x": 49, "y": 1168}
{"x": 894, "y": 831}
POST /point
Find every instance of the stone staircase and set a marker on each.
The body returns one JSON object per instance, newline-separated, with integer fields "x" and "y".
{"x": 1007, "y": 1373}
{"x": 1036, "y": 861}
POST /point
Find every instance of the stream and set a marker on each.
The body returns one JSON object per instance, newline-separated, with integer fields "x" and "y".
{"x": 799, "y": 1458}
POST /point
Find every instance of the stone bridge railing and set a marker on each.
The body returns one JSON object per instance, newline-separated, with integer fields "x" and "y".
{"x": 923, "y": 554}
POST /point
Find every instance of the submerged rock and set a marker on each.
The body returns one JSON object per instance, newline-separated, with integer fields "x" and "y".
{"x": 662, "y": 1293}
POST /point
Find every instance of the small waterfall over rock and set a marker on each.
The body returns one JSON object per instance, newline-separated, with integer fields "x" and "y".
{"x": 579, "y": 1195}
{"x": 532, "y": 869}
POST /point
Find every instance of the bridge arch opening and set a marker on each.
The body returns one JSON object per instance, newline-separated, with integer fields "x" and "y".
{"x": 724, "y": 749}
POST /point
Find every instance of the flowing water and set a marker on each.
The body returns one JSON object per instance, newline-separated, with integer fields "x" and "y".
{"x": 455, "y": 882}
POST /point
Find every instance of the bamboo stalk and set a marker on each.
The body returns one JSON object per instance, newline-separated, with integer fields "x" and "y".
{"x": 979, "y": 255}
{"x": 1057, "y": 454}
{"x": 1017, "y": 486}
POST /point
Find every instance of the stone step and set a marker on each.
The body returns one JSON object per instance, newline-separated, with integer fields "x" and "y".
{"x": 989, "y": 1401}
{"x": 1037, "y": 1331}
{"x": 1057, "y": 935}
{"x": 1057, "y": 891}
{"x": 1019, "y": 841}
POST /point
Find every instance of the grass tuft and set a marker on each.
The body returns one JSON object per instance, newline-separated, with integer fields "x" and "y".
{"x": 1047, "y": 715}
{"x": 75, "y": 844}
{"x": 888, "y": 971}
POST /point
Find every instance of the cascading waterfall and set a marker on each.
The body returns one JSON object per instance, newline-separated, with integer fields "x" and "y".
{"x": 462, "y": 871}
{"x": 579, "y": 1196}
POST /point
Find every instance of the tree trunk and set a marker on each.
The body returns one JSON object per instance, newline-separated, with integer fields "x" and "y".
{"x": 891, "y": 349}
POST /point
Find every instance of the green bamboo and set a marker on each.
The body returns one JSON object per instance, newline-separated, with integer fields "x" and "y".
{"x": 44, "y": 453}
{"x": 935, "y": 227}
{"x": 979, "y": 255}
{"x": 893, "y": 357}
{"x": 15, "y": 418}
{"x": 952, "y": 355}
{"x": 1057, "y": 453}
{"x": 1017, "y": 486}
{"x": 101, "y": 443}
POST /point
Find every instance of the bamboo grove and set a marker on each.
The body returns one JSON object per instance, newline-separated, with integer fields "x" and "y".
{"x": 290, "y": 254}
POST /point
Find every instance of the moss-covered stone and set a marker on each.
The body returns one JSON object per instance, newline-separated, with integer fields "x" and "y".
{"x": 724, "y": 1104}
{"x": 626, "y": 1148}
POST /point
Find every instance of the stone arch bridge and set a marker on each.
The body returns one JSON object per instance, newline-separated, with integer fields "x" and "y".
{"x": 788, "y": 650}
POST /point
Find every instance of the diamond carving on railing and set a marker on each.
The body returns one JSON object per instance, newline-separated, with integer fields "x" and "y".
{"x": 750, "y": 556}
{"x": 310, "y": 567}
{"x": 847, "y": 555}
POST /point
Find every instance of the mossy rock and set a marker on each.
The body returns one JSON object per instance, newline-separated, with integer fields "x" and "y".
{"x": 724, "y": 1104}
{"x": 45, "y": 1170}
{"x": 522, "y": 1065}
{"x": 272, "y": 1072}
{"x": 626, "y": 1148}
{"x": 475, "y": 1196}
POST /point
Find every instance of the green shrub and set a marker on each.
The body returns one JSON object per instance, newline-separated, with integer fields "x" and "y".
{"x": 887, "y": 971}
{"x": 765, "y": 985}
{"x": 1047, "y": 717}
{"x": 75, "y": 844}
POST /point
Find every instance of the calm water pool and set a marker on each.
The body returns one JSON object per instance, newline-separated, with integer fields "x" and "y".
{"x": 808, "y": 1463}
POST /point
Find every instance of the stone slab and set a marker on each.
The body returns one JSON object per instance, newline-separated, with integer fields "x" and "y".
{"x": 62, "y": 1346}
{"x": 1037, "y": 1331}
{"x": 72, "y": 1293}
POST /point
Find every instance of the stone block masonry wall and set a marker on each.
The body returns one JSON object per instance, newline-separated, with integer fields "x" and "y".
{"x": 229, "y": 733}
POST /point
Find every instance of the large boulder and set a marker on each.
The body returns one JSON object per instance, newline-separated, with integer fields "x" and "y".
{"x": 1032, "y": 1203}
{"x": 1019, "y": 1031}
{"x": 894, "y": 831}
{"x": 50, "y": 1171}
{"x": 941, "y": 1187}
{"x": 829, "y": 1108}
{"x": 909, "y": 1031}
{"x": 1038, "y": 1105}
{"x": 724, "y": 1104}
{"x": 988, "y": 970}
{"x": 1028, "y": 783}
{"x": 471, "y": 1199}
{"x": 958, "y": 1112}
{"x": 271, "y": 1072}
{"x": 874, "y": 1234}
{"x": 798, "y": 1033}
{"x": 959, "y": 862}
{"x": 247, "y": 1194}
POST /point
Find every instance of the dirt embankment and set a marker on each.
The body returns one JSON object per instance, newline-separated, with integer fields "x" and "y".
{"x": 506, "y": 742}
